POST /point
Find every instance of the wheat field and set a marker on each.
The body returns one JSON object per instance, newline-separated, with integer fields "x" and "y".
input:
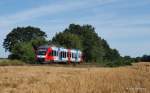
{"x": 50, "y": 79}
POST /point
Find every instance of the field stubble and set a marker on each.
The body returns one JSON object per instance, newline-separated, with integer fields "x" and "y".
{"x": 49, "y": 79}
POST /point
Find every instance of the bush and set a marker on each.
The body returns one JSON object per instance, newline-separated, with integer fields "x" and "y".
{"x": 23, "y": 51}
{"x": 13, "y": 56}
{"x": 119, "y": 62}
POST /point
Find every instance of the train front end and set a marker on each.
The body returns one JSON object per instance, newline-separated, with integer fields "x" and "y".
{"x": 41, "y": 55}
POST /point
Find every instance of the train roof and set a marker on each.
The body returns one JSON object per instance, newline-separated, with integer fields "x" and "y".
{"x": 48, "y": 46}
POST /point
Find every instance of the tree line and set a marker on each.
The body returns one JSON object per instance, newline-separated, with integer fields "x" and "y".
{"x": 22, "y": 41}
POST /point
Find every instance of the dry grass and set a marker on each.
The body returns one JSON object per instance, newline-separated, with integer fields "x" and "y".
{"x": 48, "y": 79}
{"x": 6, "y": 62}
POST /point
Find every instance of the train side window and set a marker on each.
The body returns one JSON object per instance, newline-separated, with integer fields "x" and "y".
{"x": 54, "y": 53}
{"x": 76, "y": 56}
{"x": 57, "y": 53}
{"x": 72, "y": 55}
{"x": 61, "y": 54}
{"x": 65, "y": 55}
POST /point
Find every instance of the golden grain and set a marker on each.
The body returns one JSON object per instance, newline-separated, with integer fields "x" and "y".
{"x": 48, "y": 79}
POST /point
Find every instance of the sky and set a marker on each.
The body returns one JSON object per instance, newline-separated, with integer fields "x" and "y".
{"x": 125, "y": 24}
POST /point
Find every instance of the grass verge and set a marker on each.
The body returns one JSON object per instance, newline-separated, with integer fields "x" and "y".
{"x": 6, "y": 62}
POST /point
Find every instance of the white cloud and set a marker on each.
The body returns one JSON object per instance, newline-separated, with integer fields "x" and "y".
{"x": 109, "y": 24}
{"x": 49, "y": 9}
{"x": 10, "y": 21}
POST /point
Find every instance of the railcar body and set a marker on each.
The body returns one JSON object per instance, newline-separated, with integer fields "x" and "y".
{"x": 49, "y": 54}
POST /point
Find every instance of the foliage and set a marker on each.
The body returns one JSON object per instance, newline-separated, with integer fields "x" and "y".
{"x": 22, "y": 34}
{"x": 68, "y": 40}
{"x": 25, "y": 51}
{"x": 94, "y": 48}
{"x": 22, "y": 41}
{"x": 122, "y": 61}
{"x": 144, "y": 58}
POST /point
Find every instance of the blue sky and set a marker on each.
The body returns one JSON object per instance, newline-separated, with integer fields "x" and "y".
{"x": 125, "y": 24}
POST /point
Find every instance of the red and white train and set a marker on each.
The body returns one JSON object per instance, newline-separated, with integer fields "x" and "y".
{"x": 50, "y": 53}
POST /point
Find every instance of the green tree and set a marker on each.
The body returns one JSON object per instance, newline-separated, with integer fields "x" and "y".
{"x": 93, "y": 47}
{"x": 112, "y": 55}
{"x": 68, "y": 40}
{"x": 22, "y": 34}
{"x": 24, "y": 51}
{"x": 20, "y": 41}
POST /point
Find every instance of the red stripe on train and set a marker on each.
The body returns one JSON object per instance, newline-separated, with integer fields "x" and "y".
{"x": 49, "y": 56}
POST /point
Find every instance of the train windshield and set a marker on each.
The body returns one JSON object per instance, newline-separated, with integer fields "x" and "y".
{"x": 41, "y": 53}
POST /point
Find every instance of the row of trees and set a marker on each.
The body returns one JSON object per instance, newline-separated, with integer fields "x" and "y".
{"x": 144, "y": 58}
{"x": 95, "y": 48}
{"x": 21, "y": 41}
